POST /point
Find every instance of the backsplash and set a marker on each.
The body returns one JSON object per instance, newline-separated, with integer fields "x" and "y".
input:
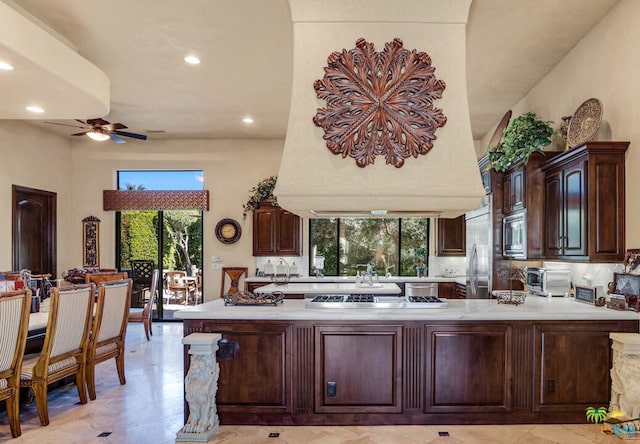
{"x": 447, "y": 265}
{"x": 599, "y": 274}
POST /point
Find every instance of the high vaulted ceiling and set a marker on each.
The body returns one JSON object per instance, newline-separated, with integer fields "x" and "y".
{"x": 246, "y": 51}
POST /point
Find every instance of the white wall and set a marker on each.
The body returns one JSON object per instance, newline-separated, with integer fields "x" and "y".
{"x": 231, "y": 168}
{"x": 604, "y": 64}
{"x": 32, "y": 157}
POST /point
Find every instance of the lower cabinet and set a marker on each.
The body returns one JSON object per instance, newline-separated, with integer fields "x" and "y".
{"x": 358, "y": 369}
{"x": 572, "y": 368}
{"x": 468, "y": 368}
{"x": 330, "y": 372}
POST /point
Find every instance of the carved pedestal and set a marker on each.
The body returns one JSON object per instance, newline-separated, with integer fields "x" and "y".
{"x": 201, "y": 384}
{"x": 625, "y": 374}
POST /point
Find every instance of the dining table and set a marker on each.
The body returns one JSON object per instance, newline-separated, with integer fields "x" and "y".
{"x": 37, "y": 329}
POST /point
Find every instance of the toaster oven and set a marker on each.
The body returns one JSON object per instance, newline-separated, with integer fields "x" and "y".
{"x": 543, "y": 282}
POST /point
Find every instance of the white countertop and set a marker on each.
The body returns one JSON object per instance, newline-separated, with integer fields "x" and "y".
{"x": 534, "y": 308}
{"x": 330, "y": 288}
{"x": 337, "y": 279}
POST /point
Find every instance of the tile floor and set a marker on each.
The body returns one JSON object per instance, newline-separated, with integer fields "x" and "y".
{"x": 149, "y": 409}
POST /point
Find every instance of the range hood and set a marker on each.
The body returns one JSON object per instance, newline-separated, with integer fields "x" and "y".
{"x": 313, "y": 182}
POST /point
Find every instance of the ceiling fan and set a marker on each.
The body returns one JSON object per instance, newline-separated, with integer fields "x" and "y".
{"x": 101, "y": 130}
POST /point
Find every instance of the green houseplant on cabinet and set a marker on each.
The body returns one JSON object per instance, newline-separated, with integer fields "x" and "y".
{"x": 525, "y": 135}
{"x": 263, "y": 191}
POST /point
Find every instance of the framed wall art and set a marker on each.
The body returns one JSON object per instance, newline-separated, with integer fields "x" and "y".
{"x": 91, "y": 241}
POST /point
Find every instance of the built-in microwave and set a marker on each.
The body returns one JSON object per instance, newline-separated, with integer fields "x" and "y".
{"x": 514, "y": 232}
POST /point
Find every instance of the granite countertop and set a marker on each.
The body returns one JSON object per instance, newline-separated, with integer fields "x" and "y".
{"x": 336, "y": 279}
{"x": 534, "y": 308}
{"x": 329, "y": 287}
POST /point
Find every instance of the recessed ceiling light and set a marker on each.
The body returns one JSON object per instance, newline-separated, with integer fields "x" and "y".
{"x": 35, "y": 109}
{"x": 5, "y": 66}
{"x": 247, "y": 120}
{"x": 192, "y": 60}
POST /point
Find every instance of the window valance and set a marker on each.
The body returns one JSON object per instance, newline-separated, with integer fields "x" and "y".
{"x": 118, "y": 200}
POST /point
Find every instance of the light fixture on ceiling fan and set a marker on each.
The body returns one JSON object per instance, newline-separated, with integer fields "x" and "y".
{"x": 101, "y": 130}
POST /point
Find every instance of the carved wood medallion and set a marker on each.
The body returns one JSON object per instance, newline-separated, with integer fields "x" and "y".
{"x": 379, "y": 103}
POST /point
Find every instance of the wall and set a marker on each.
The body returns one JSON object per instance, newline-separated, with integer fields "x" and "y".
{"x": 605, "y": 65}
{"x": 39, "y": 159}
{"x": 231, "y": 168}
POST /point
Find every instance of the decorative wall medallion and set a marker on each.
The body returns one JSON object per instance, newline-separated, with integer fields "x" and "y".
{"x": 379, "y": 103}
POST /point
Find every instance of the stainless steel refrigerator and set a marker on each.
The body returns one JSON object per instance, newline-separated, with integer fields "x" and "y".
{"x": 479, "y": 255}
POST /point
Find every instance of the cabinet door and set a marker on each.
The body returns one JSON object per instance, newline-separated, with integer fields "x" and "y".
{"x": 452, "y": 236}
{"x": 507, "y": 194}
{"x": 469, "y": 368}
{"x": 461, "y": 291}
{"x": 517, "y": 189}
{"x": 574, "y": 211}
{"x": 264, "y": 222}
{"x": 447, "y": 290}
{"x": 288, "y": 234}
{"x": 555, "y": 219}
{"x": 572, "y": 366}
{"x": 258, "y": 379}
{"x": 358, "y": 369}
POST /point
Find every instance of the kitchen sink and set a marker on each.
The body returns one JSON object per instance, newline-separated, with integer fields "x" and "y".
{"x": 372, "y": 301}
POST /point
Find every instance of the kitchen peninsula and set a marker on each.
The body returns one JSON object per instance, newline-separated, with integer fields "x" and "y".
{"x": 475, "y": 362}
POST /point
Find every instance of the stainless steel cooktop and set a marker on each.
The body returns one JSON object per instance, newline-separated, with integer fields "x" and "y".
{"x": 371, "y": 301}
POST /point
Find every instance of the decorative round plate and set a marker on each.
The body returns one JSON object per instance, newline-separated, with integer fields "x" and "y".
{"x": 584, "y": 123}
{"x": 497, "y": 134}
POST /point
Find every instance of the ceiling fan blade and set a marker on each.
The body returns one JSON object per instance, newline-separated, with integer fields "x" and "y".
{"x": 80, "y": 134}
{"x": 81, "y": 121}
{"x": 134, "y": 135}
{"x": 116, "y": 139}
{"x": 64, "y": 124}
{"x": 98, "y": 122}
{"x": 114, "y": 126}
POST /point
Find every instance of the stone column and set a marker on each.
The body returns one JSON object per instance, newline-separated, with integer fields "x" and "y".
{"x": 201, "y": 384}
{"x": 625, "y": 374}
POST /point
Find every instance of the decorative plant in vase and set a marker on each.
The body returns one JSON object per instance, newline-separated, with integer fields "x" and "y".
{"x": 259, "y": 193}
{"x": 525, "y": 135}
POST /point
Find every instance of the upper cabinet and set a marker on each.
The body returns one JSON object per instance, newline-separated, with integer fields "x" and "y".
{"x": 276, "y": 231}
{"x": 513, "y": 189}
{"x": 585, "y": 203}
{"x": 451, "y": 236}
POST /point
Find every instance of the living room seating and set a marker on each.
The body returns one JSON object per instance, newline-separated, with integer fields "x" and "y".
{"x": 65, "y": 345}
{"x": 109, "y": 330}
{"x": 145, "y": 314}
{"x": 14, "y": 324}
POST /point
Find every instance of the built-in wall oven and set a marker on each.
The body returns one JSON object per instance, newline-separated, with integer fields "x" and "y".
{"x": 514, "y": 232}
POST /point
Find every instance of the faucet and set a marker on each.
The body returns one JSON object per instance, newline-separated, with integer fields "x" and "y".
{"x": 279, "y": 278}
{"x": 388, "y": 273}
{"x": 370, "y": 276}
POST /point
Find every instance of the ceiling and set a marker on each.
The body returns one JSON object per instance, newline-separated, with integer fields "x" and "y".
{"x": 246, "y": 51}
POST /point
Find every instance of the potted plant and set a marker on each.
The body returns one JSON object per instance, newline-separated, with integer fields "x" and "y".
{"x": 263, "y": 191}
{"x": 525, "y": 135}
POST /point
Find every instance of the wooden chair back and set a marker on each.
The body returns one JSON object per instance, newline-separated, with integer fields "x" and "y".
{"x": 145, "y": 314}
{"x": 109, "y": 329}
{"x": 14, "y": 325}
{"x": 104, "y": 276}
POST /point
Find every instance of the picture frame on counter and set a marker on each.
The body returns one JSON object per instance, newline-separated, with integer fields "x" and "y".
{"x": 587, "y": 295}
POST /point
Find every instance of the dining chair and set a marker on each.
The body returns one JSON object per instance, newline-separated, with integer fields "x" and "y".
{"x": 104, "y": 276}
{"x": 65, "y": 345}
{"x": 177, "y": 285}
{"x": 141, "y": 273}
{"x": 109, "y": 330}
{"x": 145, "y": 314}
{"x": 14, "y": 325}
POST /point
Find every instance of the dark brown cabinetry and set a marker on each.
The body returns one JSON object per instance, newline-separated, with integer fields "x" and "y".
{"x": 307, "y": 372}
{"x": 573, "y": 368}
{"x": 461, "y": 291}
{"x": 276, "y": 231}
{"x": 469, "y": 368}
{"x": 451, "y": 290}
{"x": 451, "y": 237}
{"x": 585, "y": 203}
{"x": 522, "y": 202}
{"x": 358, "y": 368}
{"x": 513, "y": 189}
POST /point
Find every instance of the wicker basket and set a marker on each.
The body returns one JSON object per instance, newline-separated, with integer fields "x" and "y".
{"x": 515, "y": 297}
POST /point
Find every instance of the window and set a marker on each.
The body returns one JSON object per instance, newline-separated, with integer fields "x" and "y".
{"x": 398, "y": 246}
